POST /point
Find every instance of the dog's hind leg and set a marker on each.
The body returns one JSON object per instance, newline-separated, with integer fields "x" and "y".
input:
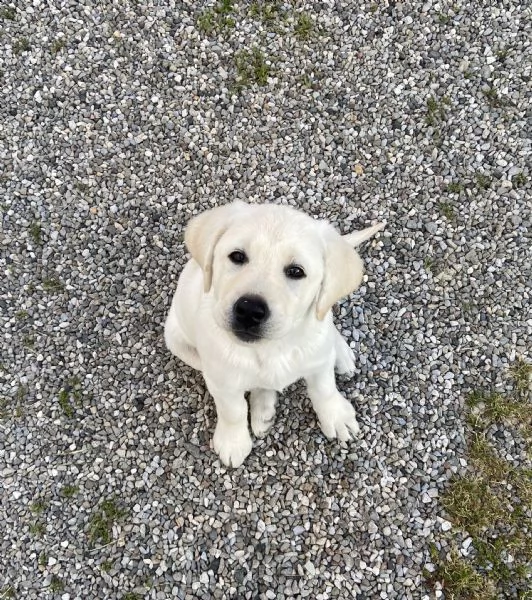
{"x": 177, "y": 344}
{"x": 345, "y": 358}
{"x": 262, "y": 405}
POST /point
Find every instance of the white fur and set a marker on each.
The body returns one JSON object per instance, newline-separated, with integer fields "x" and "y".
{"x": 300, "y": 339}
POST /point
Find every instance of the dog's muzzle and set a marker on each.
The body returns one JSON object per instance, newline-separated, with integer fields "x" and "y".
{"x": 250, "y": 313}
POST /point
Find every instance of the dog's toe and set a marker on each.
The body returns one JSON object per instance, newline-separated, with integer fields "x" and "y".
{"x": 340, "y": 420}
{"x": 260, "y": 425}
{"x": 345, "y": 359}
{"x": 262, "y": 404}
{"x": 232, "y": 444}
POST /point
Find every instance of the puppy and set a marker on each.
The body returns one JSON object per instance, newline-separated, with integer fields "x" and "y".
{"x": 252, "y": 311}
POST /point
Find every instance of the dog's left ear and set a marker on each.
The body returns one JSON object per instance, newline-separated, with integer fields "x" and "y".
{"x": 203, "y": 233}
{"x": 343, "y": 267}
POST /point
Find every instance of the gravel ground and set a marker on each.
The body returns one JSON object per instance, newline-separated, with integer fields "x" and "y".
{"x": 121, "y": 119}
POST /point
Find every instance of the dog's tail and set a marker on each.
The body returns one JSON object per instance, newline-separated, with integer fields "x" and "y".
{"x": 355, "y": 238}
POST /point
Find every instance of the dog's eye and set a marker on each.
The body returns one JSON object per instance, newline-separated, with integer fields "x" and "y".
{"x": 238, "y": 257}
{"x": 294, "y": 272}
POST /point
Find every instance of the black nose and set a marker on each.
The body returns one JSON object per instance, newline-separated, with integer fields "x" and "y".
{"x": 249, "y": 313}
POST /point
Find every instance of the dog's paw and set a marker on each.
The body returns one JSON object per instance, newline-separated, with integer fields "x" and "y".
{"x": 262, "y": 405}
{"x": 338, "y": 419}
{"x": 232, "y": 444}
{"x": 345, "y": 359}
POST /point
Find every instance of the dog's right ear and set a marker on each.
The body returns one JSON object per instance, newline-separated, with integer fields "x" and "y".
{"x": 203, "y": 233}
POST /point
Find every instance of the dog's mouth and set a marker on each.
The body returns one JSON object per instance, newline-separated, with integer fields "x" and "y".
{"x": 247, "y": 335}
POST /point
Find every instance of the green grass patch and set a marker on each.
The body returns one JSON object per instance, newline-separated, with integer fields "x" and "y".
{"x": 35, "y": 232}
{"x": 502, "y": 54}
{"x": 70, "y": 396}
{"x": 64, "y": 402}
{"x": 8, "y": 13}
{"x": 52, "y": 284}
{"x": 455, "y": 187}
{"x": 4, "y": 408}
{"x": 519, "y": 180}
{"x": 303, "y": 26}
{"x": 38, "y": 507}
{"x": 13, "y": 407}
{"x": 21, "y": 45}
{"x": 101, "y": 524}
{"x": 56, "y": 584}
{"x": 492, "y": 504}
{"x": 459, "y": 578}
{"x": 521, "y": 373}
{"x": 428, "y": 264}
{"x": 7, "y": 593}
{"x": 57, "y": 45}
{"x": 106, "y": 566}
{"x": 28, "y": 341}
{"x": 483, "y": 181}
{"x": 498, "y": 408}
{"x": 493, "y": 97}
{"x": 37, "y": 529}
{"x": 251, "y": 68}
{"x": 436, "y": 110}
{"x": 69, "y": 491}
{"x": 218, "y": 18}
{"x": 84, "y": 188}
{"x": 270, "y": 12}
{"x": 444, "y": 19}
{"x": 447, "y": 210}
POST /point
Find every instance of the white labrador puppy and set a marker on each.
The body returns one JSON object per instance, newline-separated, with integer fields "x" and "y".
{"x": 252, "y": 311}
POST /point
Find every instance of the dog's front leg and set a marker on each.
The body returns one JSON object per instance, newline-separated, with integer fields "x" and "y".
{"x": 231, "y": 440}
{"x": 336, "y": 415}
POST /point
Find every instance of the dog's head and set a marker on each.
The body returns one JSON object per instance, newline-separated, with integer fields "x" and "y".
{"x": 270, "y": 267}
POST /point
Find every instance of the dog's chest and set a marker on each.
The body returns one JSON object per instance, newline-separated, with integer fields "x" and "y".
{"x": 278, "y": 372}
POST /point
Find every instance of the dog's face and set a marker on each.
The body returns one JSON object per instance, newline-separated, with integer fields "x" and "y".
{"x": 267, "y": 273}
{"x": 269, "y": 268}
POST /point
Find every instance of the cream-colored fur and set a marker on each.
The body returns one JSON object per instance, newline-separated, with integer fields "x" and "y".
{"x": 297, "y": 340}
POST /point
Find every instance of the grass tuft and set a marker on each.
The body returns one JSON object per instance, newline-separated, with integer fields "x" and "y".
{"x": 521, "y": 373}
{"x": 57, "y": 45}
{"x": 22, "y": 45}
{"x": 35, "y": 232}
{"x": 37, "y": 529}
{"x": 56, "y": 584}
{"x": 493, "y": 97}
{"x": 519, "y": 180}
{"x": 303, "y": 27}
{"x": 101, "y": 524}
{"x": 447, "y": 210}
{"x": 38, "y": 507}
{"x": 251, "y": 67}
{"x": 71, "y": 391}
{"x": 51, "y": 284}
{"x": 436, "y": 110}
{"x": 8, "y": 13}
{"x": 459, "y": 578}
{"x": 483, "y": 181}
{"x": 268, "y": 11}
{"x": 454, "y": 187}
{"x": 69, "y": 491}
{"x": 218, "y": 18}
